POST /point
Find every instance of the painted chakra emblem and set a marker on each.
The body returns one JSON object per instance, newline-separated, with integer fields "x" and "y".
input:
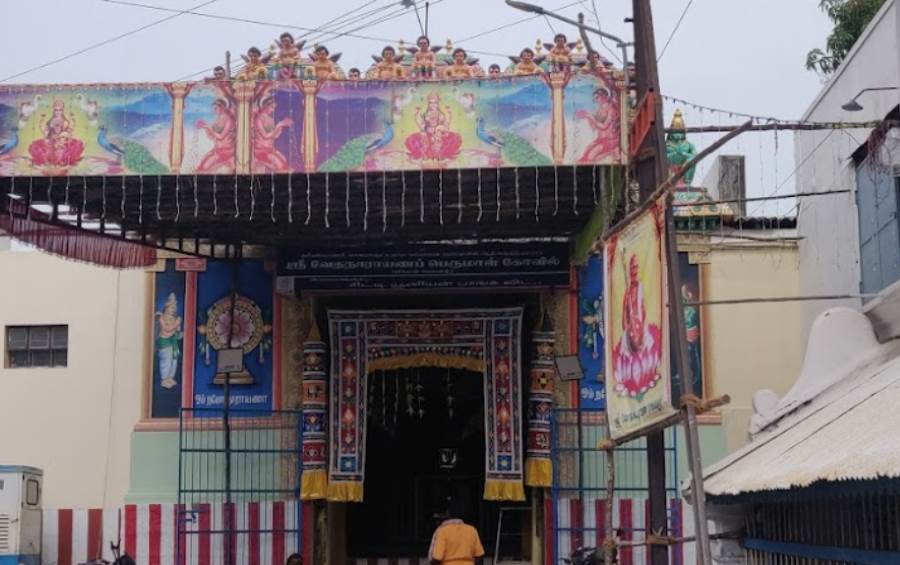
{"x": 247, "y": 328}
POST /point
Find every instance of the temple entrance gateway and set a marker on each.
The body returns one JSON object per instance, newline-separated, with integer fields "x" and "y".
{"x": 425, "y": 442}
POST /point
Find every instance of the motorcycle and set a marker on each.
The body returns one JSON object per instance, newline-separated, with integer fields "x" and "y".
{"x": 119, "y": 557}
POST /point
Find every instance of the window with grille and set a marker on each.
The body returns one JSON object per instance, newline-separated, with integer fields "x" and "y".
{"x": 37, "y": 346}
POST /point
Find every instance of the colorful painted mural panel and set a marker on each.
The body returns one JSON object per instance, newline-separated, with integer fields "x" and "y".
{"x": 250, "y": 328}
{"x": 85, "y": 130}
{"x": 168, "y": 342}
{"x": 259, "y": 127}
{"x": 637, "y": 360}
{"x": 591, "y": 334}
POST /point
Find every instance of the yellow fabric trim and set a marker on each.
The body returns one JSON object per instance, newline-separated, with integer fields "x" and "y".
{"x": 495, "y": 489}
{"x": 345, "y": 491}
{"x": 538, "y": 472}
{"x": 314, "y": 485}
{"x": 425, "y": 359}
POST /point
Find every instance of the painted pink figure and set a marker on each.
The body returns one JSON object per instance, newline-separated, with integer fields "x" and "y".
{"x": 638, "y": 352}
{"x": 607, "y": 135}
{"x": 266, "y": 158}
{"x": 434, "y": 141}
{"x": 59, "y": 147}
{"x": 222, "y": 134}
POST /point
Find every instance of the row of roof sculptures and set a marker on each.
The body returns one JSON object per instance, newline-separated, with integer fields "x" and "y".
{"x": 285, "y": 60}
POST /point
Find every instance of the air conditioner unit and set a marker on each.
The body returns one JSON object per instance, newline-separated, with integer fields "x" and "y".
{"x": 20, "y": 514}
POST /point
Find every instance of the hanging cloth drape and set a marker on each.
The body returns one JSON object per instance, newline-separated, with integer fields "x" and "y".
{"x": 538, "y": 465}
{"x": 314, "y": 480}
{"x": 485, "y": 340}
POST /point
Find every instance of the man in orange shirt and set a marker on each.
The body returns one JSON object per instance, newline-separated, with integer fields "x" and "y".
{"x": 454, "y": 542}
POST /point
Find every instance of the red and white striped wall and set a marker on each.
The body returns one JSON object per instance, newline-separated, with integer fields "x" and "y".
{"x": 582, "y": 523}
{"x": 267, "y": 532}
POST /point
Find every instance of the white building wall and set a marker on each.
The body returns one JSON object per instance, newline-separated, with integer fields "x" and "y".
{"x": 829, "y": 248}
{"x": 75, "y": 422}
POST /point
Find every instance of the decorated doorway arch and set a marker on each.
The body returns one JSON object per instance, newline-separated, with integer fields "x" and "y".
{"x": 485, "y": 341}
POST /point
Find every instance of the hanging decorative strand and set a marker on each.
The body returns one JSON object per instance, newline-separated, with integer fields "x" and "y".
{"x": 49, "y": 191}
{"x": 441, "y": 195}
{"x": 383, "y": 400}
{"x": 497, "y": 219}
{"x": 31, "y": 196}
{"x": 237, "y": 206}
{"x": 84, "y": 190}
{"x": 594, "y": 183}
{"x": 196, "y": 199}
{"x": 383, "y": 201}
{"x": 537, "y": 194}
{"x": 366, "y": 200}
{"x": 102, "y": 199}
{"x": 177, "y": 198}
{"x": 272, "y": 191}
{"x": 68, "y": 184}
{"x": 253, "y": 195}
{"x": 308, "y": 201}
{"x": 158, "y": 195}
{"x": 12, "y": 192}
{"x": 402, "y": 198}
{"x": 575, "y": 190}
{"x": 327, "y": 200}
{"x": 396, "y": 397}
{"x": 555, "y": 190}
{"x": 421, "y": 196}
{"x": 516, "y": 171}
{"x": 140, "y": 199}
{"x": 479, "y": 196}
{"x": 347, "y": 199}
{"x": 290, "y": 179}
{"x": 459, "y": 204}
{"x": 122, "y": 205}
{"x": 215, "y": 196}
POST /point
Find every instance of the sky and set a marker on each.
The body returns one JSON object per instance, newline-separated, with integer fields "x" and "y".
{"x": 744, "y": 56}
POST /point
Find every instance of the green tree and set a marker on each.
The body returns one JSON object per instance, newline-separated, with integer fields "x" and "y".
{"x": 850, "y": 18}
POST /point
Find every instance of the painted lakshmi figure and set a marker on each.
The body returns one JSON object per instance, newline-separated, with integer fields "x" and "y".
{"x": 168, "y": 342}
{"x": 639, "y": 351}
{"x": 58, "y": 147}
{"x": 222, "y": 133}
{"x": 434, "y": 141}
{"x": 606, "y": 133}
{"x": 266, "y": 158}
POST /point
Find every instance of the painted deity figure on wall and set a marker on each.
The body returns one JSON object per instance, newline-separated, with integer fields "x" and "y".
{"x": 58, "y": 147}
{"x": 679, "y": 150}
{"x": 266, "y": 158}
{"x": 168, "y": 342}
{"x": 434, "y": 141}
{"x": 387, "y": 67}
{"x": 222, "y": 132}
{"x": 692, "y": 336}
{"x": 601, "y": 122}
{"x": 638, "y": 353}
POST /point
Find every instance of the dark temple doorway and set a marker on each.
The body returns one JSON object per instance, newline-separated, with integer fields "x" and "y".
{"x": 425, "y": 442}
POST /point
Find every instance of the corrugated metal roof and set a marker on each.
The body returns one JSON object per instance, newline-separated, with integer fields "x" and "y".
{"x": 850, "y": 430}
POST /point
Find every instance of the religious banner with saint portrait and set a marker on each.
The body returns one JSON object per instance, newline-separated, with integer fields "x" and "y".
{"x": 637, "y": 345}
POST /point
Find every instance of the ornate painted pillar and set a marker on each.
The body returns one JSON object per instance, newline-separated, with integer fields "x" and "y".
{"x": 310, "y": 140}
{"x": 243, "y": 94}
{"x": 314, "y": 480}
{"x": 178, "y": 92}
{"x": 538, "y": 465}
{"x": 558, "y": 82}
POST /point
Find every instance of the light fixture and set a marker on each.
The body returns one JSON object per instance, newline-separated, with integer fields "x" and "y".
{"x": 854, "y": 106}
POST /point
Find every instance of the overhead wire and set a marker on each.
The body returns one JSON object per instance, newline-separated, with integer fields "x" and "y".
{"x": 674, "y": 30}
{"x": 177, "y": 13}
